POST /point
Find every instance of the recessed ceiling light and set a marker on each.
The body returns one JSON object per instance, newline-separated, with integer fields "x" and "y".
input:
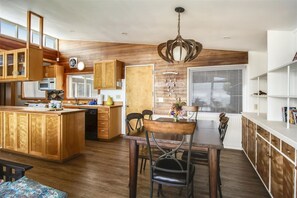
{"x": 226, "y": 37}
{"x": 124, "y": 33}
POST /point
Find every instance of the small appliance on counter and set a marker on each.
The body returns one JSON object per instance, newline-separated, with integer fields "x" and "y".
{"x": 55, "y": 105}
{"x": 100, "y": 99}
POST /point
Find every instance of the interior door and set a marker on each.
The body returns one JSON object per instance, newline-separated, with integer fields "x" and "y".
{"x": 139, "y": 88}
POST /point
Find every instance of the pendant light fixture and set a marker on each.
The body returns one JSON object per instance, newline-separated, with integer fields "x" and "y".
{"x": 179, "y": 49}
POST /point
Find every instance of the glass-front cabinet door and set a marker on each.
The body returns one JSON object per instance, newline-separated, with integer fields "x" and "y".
{"x": 9, "y": 64}
{"x": 20, "y": 63}
{"x": 1, "y": 65}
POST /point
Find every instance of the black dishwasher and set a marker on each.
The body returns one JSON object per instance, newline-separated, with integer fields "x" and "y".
{"x": 91, "y": 124}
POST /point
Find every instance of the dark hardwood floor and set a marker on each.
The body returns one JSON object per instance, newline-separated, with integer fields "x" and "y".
{"x": 102, "y": 171}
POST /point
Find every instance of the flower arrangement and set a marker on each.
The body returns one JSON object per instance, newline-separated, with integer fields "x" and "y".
{"x": 176, "y": 109}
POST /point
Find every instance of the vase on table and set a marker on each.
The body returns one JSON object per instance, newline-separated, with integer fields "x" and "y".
{"x": 175, "y": 118}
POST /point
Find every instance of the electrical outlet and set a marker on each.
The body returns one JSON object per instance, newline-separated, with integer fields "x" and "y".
{"x": 255, "y": 106}
{"x": 160, "y": 100}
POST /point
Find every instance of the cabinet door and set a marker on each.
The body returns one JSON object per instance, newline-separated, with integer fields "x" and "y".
{"x": 251, "y": 141}
{"x": 20, "y": 66}
{"x": 36, "y": 136}
{"x": 98, "y": 73}
{"x": 263, "y": 160}
{"x": 9, "y": 64}
{"x": 52, "y": 137}
{"x": 282, "y": 175}
{"x": 9, "y": 131}
{"x": 1, "y": 65}
{"x": 1, "y": 129}
{"x": 109, "y": 80}
{"x": 22, "y": 132}
{"x": 244, "y": 134}
{"x": 49, "y": 71}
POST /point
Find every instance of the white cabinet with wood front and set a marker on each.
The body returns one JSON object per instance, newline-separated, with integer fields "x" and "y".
{"x": 21, "y": 64}
{"x": 108, "y": 74}
{"x": 44, "y": 134}
{"x": 275, "y": 148}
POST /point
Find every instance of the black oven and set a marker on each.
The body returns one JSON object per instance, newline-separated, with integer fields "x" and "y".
{"x": 91, "y": 120}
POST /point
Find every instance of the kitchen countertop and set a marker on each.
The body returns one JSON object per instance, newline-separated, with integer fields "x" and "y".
{"x": 82, "y": 106}
{"x": 38, "y": 110}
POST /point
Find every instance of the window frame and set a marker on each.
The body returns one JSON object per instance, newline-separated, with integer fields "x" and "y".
{"x": 68, "y": 91}
{"x": 216, "y": 68}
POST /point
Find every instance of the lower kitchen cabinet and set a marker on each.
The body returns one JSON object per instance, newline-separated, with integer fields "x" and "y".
{"x": 275, "y": 161}
{"x": 1, "y": 128}
{"x": 45, "y": 136}
{"x": 244, "y": 134}
{"x": 53, "y": 136}
{"x": 16, "y": 131}
{"x": 263, "y": 160}
{"x": 251, "y": 141}
{"x": 109, "y": 122}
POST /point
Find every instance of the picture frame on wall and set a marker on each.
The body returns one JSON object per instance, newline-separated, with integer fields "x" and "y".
{"x": 295, "y": 57}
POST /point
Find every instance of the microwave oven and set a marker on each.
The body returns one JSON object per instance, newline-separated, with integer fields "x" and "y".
{"x": 47, "y": 84}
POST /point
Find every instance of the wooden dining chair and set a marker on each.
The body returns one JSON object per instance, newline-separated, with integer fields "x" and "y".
{"x": 192, "y": 111}
{"x": 166, "y": 169}
{"x": 201, "y": 157}
{"x": 147, "y": 113}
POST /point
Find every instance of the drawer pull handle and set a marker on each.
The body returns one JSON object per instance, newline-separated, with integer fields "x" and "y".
{"x": 288, "y": 151}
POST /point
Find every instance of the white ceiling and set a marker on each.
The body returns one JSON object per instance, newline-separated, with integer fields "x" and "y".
{"x": 155, "y": 21}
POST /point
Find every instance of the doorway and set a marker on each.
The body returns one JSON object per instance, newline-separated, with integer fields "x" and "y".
{"x": 139, "y": 88}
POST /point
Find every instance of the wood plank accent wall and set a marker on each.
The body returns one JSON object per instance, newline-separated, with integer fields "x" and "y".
{"x": 139, "y": 54}
{"x": 7, "y": 43}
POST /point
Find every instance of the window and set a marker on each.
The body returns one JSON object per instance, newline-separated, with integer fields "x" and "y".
{"x": 35, "y": 37}
{"x": 22, "y": 33}
{"x": 216, "y": 89}
{"x": 8, "y": 29}
{"x": 50, "y": 42}
{"x": 30, "y": 90}
{"x": 80, "y": 86}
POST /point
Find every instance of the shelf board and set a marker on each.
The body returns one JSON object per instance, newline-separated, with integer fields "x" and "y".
{"x": 293, "y": 63}
{"x": 282, "y": 96}
{"x": 259, "y": 96}
{"x": 260, "y": 76}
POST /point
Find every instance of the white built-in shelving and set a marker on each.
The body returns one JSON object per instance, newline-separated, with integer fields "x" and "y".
{"x": 282, "y": 90}
{"x": 261, "y": 85}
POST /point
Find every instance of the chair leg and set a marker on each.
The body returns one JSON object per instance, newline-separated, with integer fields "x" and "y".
{"x": 144, "y": 165}
{"x": 151, "y": 189}
{"x": 160, "y": 190}
{"x": 192, "y": 188}
{"x": 141, "y": 166}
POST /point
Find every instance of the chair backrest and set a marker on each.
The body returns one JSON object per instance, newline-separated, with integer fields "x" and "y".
{"x": 134, "y": 119}
{"x": 157, "y": 132}
{"x": 223, "y": 127}
{"x": 148, "y": 113}
{"x": 192, "y": 110}
{"x": 223, "y": 114}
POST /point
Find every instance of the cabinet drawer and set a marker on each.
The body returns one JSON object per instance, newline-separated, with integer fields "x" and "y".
{"x": 103, "y": 110}
{"x": 102, "y": 116}
{"x": 102, "y": 133}
{"x": 263, "y": 133}
{"x": 288, "y": 150}
{"x": 275, "y": 141}
{"x": 102, "y": 124}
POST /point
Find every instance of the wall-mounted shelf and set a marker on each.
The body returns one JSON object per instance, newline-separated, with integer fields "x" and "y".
{"x": 293, "y": 63}
{"x": 259, "y": 76}
{"x": 259, "y": 96}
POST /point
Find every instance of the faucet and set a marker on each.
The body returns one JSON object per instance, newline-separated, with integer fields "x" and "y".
{"x": 76, "y": 100}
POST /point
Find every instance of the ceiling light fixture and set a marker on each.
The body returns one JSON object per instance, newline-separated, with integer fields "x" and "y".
{"x": 179, "y": 49}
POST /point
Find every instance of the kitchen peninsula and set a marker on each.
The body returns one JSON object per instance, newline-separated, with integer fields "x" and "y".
{"x": 41, "y": 133}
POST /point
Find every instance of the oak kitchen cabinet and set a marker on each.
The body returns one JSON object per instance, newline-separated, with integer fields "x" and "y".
{"x": 54, "y": 71}
{"x": 1, "y": 128}
{"x": 21, "y": 64}
{"x": 275, "y": 157}
{"x": 1, "y": 65}
{"x": 15, "y": 131}
{"x": 51, "y": 135}
{"x": 45, "y": 136}
{"x": 108, "y": 74}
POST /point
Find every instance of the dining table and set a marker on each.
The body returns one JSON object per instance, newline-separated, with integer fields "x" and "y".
{"x": 206, "y": 138}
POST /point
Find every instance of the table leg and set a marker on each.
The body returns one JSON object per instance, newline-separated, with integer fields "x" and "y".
{"x": 213, "y": 172}
{"x": 133, "y": 167}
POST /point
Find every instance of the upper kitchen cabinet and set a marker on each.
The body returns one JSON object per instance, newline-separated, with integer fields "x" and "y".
{"x": 54, "y": 71}
{"x": 20, "y": 65}
{"x": 1, "y": 65}
{"x": 108, "y": 74}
